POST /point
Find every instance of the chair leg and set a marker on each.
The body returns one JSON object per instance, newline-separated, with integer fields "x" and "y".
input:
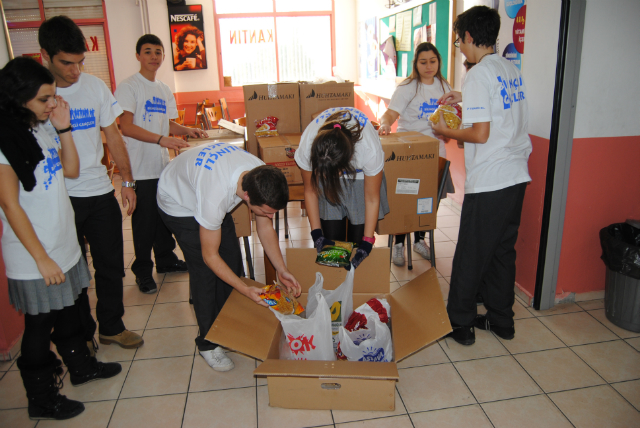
{"x": 286, "y": 224}
{"x": 432, "y": 249}
{"x": 247, "y": 252}
{"x": 390, "y": 246}
{"x": 409, "y": 261}
{"x": 277, "y": 217}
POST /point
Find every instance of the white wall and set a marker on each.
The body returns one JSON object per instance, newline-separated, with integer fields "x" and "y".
{"x": 125, "y": 28}
{"x": 609, "y": 91}
{"x": 346, "y": 39}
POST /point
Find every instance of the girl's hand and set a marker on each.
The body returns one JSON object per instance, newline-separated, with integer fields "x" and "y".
{"x": 451, "y": 98}
{"x": 384, "y": 129}
{"x": 60, "y": 116}
{"x": 50, "y": 271}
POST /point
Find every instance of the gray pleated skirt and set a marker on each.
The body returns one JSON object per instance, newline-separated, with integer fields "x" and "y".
{"x": 351, "y": 203}
{"x": 33, "y": 297}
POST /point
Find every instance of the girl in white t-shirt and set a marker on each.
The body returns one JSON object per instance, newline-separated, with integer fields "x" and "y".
{"x": 411, "y": 104}
{"x": 45, "y": 270}
{"x": 341, "y": 160}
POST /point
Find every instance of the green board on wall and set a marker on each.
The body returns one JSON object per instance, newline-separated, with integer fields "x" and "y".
{"x": 442, "y": 35}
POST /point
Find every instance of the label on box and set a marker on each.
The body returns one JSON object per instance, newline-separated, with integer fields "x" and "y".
{"x": 425, "y": 206}
{"x": 408, "y": 186}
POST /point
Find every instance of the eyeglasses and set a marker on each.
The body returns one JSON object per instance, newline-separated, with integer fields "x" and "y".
{"x": 457, "y": 42}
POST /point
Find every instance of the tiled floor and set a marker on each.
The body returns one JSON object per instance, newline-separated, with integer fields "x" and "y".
{"x": 566, "y": 367}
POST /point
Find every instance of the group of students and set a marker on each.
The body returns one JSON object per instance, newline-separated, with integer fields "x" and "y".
{"x": 342, "y": 165}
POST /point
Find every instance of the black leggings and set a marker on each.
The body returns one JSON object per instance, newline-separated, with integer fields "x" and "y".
{"x": 342, "y": 230}
{"x": 416, "y": 235}
{"x": 37, "y": 337}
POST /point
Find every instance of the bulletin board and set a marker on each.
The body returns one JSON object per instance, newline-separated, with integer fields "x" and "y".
{"x": 442, "y": 35}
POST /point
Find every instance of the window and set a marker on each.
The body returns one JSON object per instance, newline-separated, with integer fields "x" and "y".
{"x": 279, "y": 40}
{"x": 25, "y": 16}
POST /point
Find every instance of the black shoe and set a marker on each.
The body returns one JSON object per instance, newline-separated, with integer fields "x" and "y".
{"x": 56, "y": 407}
{"x": 506, "y": 333}
{"x": 177, "y": 266}
{"x": 464, "y": 335}
{"x": 147, "y": 285}
{"x": 100, "y": 371}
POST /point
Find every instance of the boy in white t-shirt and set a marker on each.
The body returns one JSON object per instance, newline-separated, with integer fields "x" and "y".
{"x": 496, "y": 151}
{"x": 149, "y": 109}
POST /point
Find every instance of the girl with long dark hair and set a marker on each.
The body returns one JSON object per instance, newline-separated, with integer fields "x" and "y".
{"x": 41, "y": 253}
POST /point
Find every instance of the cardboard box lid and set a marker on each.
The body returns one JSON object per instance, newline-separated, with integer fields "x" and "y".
{"x": 406, "y": 137}
{"x": 244, "y": 326}
{"x": 418, "y": 315}
{"x": 279, "y": 140}
{"x": 372, "y": 276}
{"x": 328, "y": 369}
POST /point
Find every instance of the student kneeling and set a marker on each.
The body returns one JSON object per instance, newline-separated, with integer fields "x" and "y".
{"x": 196, "y": 194}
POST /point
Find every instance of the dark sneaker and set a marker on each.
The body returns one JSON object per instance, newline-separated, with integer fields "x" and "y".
{"x": 464, "y": 335}
{"x": 177, "y": 266}
{"x": 147, "y": 285}
{"x": 100, "y": 371}
{"x": 55, "y": 406}
{"x": 506, "y": 333}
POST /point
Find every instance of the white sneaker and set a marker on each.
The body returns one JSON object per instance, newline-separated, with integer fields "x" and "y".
{"x": 422, "y": 249}
{"x": 398, "y": 254}
{"x": 217, "y": 360}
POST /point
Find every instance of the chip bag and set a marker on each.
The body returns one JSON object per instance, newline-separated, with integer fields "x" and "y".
{"x": 452, "y": 115}
{"x": 267, "y": 127}
{"x": 278, "y": 298}
{"x": 337, "y": 255}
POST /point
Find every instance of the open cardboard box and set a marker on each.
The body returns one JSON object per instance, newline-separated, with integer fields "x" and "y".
{"x": 418, "y": 318}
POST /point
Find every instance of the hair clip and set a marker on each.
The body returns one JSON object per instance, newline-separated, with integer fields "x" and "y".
{"x": 337, "y": 125}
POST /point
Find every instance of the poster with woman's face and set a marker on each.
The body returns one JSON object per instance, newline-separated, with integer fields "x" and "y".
{"x": 187, "y": 37}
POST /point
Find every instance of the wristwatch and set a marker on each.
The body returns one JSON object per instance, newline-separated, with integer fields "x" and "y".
{"x": 131, "y": 184}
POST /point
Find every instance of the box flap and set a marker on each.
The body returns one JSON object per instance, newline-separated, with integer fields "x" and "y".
{"x": 372, "y": 276}
{"x": 328, "y": 369}
{"x": 279, "y": 140}
{"x": 418, "y": 315}
{"x": 244, "y": 326}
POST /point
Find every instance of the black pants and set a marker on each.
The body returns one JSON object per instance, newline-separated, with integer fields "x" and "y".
{"x": 150, "y": 232}
{"x": 342, "y": 230}
{"x": 98, "y": 218}
{"x": 485, "y": 257}
{"x": 209, "y": 293}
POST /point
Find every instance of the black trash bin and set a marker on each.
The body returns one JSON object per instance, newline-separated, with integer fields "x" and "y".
{"x": 621, "y": 254}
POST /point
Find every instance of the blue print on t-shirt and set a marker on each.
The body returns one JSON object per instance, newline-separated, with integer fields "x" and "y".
{"x": 83, "y": 118}
{"x": 428, "y": 108}
{"x": 154, "y": 105}
{"x": 210, "y": 154}
{"x": 52, "y": 165}
{"x": 357, "y": 114}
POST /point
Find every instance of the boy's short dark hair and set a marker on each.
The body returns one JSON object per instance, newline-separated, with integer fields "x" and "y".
{"x": 482, "y": 23}
{"x": 266, "y": 185}
{"x": 61, "y": 34}
{"x": 152, "y": 39}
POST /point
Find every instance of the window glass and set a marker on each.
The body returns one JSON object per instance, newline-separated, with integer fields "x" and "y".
{"x": 74, "y": 9}
{"x": 303, "y": 5}
{"x": 304, "y": 54}
{"x": 21, "y": 10}
{"x": 244, "y": 6}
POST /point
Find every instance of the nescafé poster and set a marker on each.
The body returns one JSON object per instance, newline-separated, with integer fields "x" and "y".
{"x": 187, "y": 37}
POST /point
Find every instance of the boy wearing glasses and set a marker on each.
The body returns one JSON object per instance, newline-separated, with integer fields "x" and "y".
{"x": 497, "y": 147}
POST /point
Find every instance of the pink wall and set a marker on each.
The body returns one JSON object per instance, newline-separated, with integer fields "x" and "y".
{"x": 11, "y": 321}
{"x": 604, "y": 188}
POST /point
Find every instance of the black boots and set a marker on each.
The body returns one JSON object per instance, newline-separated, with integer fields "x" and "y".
{"x": 82, "y": 367}
{"x": 43, "y": 384}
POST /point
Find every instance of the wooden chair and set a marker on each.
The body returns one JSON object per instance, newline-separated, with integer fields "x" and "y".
{"x": 212, "y": 116}
{"x": 443, "y": 172}
{"x": 180, "y": 119}
{"x": 242, "y": 121}
{"x": 201, "y": 120}
{"x": 225, "y": 109}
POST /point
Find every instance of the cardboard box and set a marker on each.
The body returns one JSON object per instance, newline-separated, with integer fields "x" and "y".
{"x": 316, "y": 98}
{"x": 278, "y": 151}
{"x": 411, "y": 169}
{"x": 242, "y": 219}
{"x": 418, "y": 318}
{"x": 281, "y": 100}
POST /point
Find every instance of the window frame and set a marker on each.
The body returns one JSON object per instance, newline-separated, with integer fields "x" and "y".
{"x": 274, "y": 15}
{"x": 80, "y": 23}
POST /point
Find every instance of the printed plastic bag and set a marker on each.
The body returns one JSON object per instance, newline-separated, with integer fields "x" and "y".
{"x": 370, "y": 344}
{"x": 307, "y": 339}
{"x": 340, "y": 302}
{"x": 452, "y": 115}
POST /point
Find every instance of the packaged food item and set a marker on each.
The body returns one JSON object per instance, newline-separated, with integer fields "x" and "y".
{"x": 280, "y": 300}
{"x": 337, "y": 255}
{"x": 452, "y": 115}
{"x": 366, "y": 326}
{"x": 267, "y": 127}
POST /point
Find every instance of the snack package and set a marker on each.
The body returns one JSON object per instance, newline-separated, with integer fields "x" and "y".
{"x": 337, "y": 255}
{"x": 361, "y": 326}
{"x": 452, "y": 115}
{"x": 267, "y": 127}
{"x": 278, "y": 298}
{"x": 358, "y": 319}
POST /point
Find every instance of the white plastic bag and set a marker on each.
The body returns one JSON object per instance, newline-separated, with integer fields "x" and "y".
{"x": 307, "y": 339}
{"x": 370, "y": 344}
{"x": 340, "y": 302}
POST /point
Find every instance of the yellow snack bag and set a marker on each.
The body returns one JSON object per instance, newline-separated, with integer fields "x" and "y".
{"x": 452, "y": 115}
{"x": 279, "y": 299}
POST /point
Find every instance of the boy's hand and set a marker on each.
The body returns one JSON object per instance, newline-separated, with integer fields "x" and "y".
{"x": 451, "y": 98}
{"x": 173, "y": 143}
{"x": 196, "y": 133}
{"x": 441, "y": 127}
{"x": 384, "y": 130}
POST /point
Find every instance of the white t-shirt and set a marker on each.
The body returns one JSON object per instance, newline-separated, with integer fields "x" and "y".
{"x": 493, "y": 91}
{"x": 368, "y": 158}
{"x": 49, "y": 210}
{"x": 416, "y": 107}
{"x": 152, "y": 105}
{"x": 92, "y": 106}
{"x": 203, "y": 181}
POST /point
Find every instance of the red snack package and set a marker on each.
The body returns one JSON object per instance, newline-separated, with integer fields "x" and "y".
{"x": 267, "y": 127}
